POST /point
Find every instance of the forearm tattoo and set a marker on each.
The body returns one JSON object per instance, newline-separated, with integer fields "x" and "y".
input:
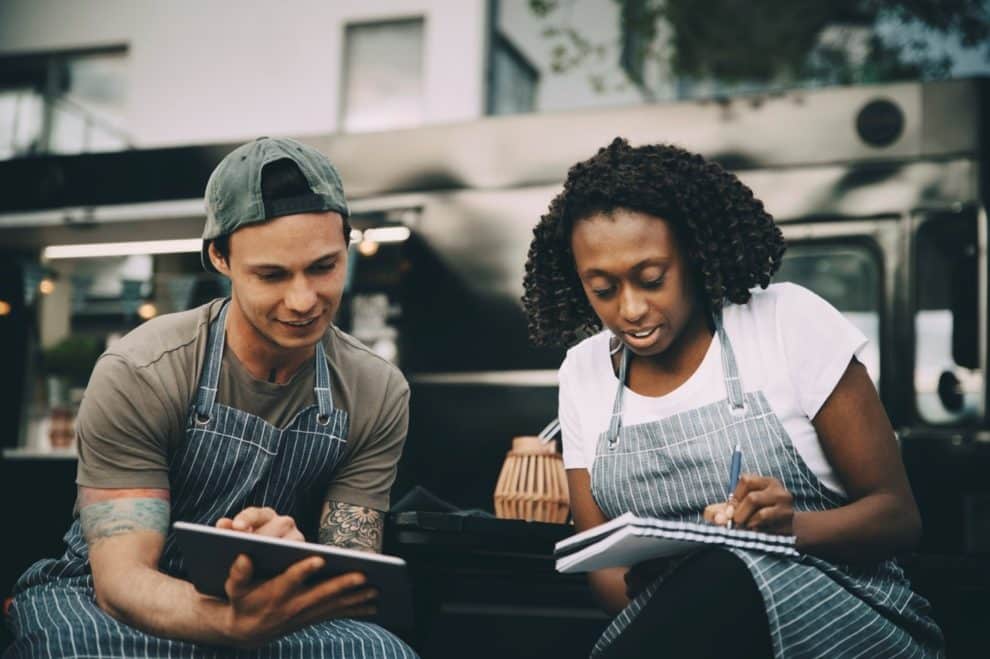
{"x": 352, "y": 527}
{"x": 118, "y": 516}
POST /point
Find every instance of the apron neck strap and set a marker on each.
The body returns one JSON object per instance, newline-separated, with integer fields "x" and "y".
{"x": 615, "y": 422}
{"x": 324, "y": 396}
{"x": 730, "y": 370}
{"x": 730, "y": 374}
{"x": 209, "y": 377}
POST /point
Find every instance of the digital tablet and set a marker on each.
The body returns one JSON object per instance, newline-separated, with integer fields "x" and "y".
{"x": 209, "y": 552}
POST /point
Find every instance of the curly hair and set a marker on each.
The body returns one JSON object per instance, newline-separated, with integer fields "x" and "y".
{"x": 730, "y": 242}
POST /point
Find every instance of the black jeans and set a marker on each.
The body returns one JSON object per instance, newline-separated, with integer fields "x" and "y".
{"x": 709, "y": 607}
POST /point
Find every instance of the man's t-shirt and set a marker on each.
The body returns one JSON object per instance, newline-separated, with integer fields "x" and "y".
{"x": 134, "y": 412}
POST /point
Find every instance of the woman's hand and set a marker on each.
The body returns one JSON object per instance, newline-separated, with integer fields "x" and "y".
{"x": 759, "y": 503}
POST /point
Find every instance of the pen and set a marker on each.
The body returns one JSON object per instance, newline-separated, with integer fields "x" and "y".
{"x": 734, "y": 468}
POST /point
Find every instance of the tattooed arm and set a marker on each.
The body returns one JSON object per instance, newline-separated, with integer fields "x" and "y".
{"x": 125, "y": 531}
{"x": 352, "y": 527}
{"x": 105, "y": 514}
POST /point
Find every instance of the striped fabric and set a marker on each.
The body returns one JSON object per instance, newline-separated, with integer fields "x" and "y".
{"x": 674, "y": 467}
{"x": 230, "y": 460}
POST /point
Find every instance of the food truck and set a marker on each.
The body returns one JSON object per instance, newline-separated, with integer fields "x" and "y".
{"x": 880, "y": 191}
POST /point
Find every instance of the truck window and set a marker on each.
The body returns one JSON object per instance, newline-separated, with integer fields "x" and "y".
{"x": 848, "y": 277}
{"x": 948, "y": 380}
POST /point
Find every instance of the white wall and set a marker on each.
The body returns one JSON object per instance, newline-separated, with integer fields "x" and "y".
{"x": 220, "y": 70}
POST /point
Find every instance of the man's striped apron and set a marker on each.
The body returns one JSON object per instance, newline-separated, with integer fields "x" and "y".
{"x": 230, "y": 460}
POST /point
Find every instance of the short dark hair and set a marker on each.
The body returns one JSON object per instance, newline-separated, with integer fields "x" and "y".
{"x": 280, "y": 179}
{"x": 730, "y": 242}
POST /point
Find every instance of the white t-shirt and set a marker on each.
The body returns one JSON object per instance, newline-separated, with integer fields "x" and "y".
{"x": 789, "y": 343}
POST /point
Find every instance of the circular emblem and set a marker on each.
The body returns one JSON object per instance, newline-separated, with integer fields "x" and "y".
{"x": 880, "y": 122}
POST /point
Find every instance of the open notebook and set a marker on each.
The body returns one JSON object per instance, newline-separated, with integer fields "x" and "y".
{"x": 628, "y": 539}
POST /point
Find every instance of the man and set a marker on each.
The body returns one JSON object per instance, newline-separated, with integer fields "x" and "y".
{"x": 248, "y": 414}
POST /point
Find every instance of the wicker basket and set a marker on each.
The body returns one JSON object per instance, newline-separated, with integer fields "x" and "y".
{"x": 532, "y": 484}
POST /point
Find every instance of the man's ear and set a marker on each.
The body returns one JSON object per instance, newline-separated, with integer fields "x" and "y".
{"x": 216, "y": 258}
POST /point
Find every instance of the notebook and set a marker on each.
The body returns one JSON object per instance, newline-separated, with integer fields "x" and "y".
{"x": 629, "y": 539}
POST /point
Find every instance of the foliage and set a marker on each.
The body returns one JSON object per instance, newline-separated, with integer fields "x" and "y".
{"x": 774, "y": 41}
{"x": 73, "y": 358}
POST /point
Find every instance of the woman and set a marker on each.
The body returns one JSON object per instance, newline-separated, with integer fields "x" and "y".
{"x": 661, "y": 249}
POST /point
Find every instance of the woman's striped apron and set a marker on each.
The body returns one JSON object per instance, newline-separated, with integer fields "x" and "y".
{"x": 674, "y": 467}
{"x": 230, "y": 460}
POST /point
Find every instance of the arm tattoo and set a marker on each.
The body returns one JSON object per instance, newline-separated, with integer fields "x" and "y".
{"x": 117, "y": 516}
{"x": 352, "y": 527}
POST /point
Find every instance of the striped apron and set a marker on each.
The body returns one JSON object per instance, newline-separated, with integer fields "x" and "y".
{"x": 230, "y": 460}
{"x": 674, "y": 467}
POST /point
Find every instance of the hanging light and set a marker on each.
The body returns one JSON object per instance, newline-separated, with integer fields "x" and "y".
{"x": 5, "y": 308}
{"x": 46, "y": 286}
{"x": 387, "y": 234}
{"x": 95, "y": 250}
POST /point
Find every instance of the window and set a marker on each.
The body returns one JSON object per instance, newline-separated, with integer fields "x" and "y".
{"x": 512, "y": 89}
{"x": 20, "y": 121}
{"x": 383, "y": 76}
{"x": 79, "y": 306}
{"x": 848, "y": 277}
{"x": 63, "y": 103}
{"x": 948, "y": 379}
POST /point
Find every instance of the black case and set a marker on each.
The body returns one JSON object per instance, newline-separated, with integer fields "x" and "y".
{"x": 209, "y": 553}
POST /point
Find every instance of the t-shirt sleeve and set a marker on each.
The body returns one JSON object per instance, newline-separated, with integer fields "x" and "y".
{"x": 122, "y": 429}
{"x": 818, "y": 344}
{"x": 366, "y": 476}
{"x": 571, "y": 440}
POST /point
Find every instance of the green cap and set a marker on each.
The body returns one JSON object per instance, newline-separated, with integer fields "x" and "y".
{"x": 233, "y": 193}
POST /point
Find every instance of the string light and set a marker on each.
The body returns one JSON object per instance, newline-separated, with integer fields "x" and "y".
{"x": 147, "y": 311}
{"x": 368, "y": 247}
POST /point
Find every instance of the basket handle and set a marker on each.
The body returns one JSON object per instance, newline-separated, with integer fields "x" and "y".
{"x": 550, "y": 431}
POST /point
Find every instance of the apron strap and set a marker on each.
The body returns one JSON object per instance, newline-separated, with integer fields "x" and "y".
{"x": 730, "y": 370}
{"x": 730, "y": 373}
{"x": 615, "y": 422}
{"x": 209, "y": 377}
{"x": 324, "y": 397}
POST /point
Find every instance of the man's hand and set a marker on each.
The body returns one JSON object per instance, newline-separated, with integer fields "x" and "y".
{"x": 263, "y": 521}
{"x": 261, "y": 611}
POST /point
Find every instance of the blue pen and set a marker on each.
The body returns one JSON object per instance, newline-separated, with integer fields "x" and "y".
{"x": 734, "y": 468}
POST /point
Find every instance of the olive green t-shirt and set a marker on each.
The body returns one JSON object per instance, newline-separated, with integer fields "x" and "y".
{"x": 134, "y": 411}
